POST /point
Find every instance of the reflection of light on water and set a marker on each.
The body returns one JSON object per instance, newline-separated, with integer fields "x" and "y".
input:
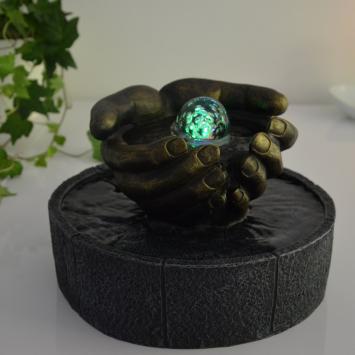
{"x": 199, "y": 142}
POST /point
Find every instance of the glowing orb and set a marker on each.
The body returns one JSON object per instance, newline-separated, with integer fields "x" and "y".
{"x": 202, "y": 120}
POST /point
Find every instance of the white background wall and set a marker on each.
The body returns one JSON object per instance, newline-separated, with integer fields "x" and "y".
{"x": 300, "y": 47}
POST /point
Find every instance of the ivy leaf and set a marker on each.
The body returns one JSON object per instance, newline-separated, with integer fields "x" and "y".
{"x": 70, "y": 32}
{"x": 59, "y": 102}
{"x": 8, "y": 90}
{"x": 16, "y": 127}
{"x": 52, "y": 151}
{"x": 50, "y": 64}
{"x": 17, "y": 19}
{"x": 35, "y": 103}
{"x": 12, "y": 11}
{"x": 31, "y": 51}
{"x": 5, "y": 168}
{"x": 9, "y": 168}
{"x": 26, "y": 106}
{"x": 3, "y": 154}
{"x": 7, "y": 65}
{"x": 96, "y": 146}
{"x": 50, "y": 15}
{"x": 66, "y": 60}
{"x": 60, "y": 140}
{"x": 52, "y": 35}
{"x": 16, "y": 169}
{"x": 20, "y": 79}
{"x": 41, "y": 161}
{"x": 56, "y": 83}
{"x": 48, "y": 33}
{"x": 36, "y": 90}
{"x": 53, "y": 127}
{"x": 49, "y": 105}
{"x": 5, "y": 192}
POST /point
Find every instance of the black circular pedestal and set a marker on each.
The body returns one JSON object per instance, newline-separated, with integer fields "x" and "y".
{"x": 231, "y": 286}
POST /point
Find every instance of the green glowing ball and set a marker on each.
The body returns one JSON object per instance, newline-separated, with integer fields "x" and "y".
{"x": 202, "y": 120}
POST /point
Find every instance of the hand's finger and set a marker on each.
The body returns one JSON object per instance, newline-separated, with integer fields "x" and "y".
{"x": 189, "y": 195}
{"x": 253, "y": 176}
{"x": 268, "y": 152}
{"x": 218, "y": 200}
{"x": 233, "y": 96}
{"x": 156, "y": 182}
{"x": 135, "y": 104}
{"x": 284, "y": 131}
{"x": 119, "y": 155}
{"x": 239, "y": 200}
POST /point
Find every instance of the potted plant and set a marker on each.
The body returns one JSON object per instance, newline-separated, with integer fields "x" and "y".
{"x": 36, "y": 39}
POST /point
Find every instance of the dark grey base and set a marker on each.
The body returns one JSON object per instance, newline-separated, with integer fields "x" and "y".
{"x": 241, "y": 284}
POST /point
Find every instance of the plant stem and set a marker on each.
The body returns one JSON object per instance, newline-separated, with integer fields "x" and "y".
{"x": 60, "y": 123}
{"x": 5, "y": 28}
{"x": 33, "y": 157}
{"x": 75, "y": 155}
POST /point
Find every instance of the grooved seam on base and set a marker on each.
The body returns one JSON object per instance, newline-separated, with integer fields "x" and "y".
{"x": 76, "y": 278}
{"x": 163, "y": 304}
{"x": 276, "y": 276}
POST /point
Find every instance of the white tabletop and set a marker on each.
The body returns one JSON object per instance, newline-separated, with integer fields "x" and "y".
{"x": 36, "y": 319}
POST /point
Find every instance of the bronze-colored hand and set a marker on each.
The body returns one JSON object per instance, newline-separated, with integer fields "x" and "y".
{"x": 173, "y": 182}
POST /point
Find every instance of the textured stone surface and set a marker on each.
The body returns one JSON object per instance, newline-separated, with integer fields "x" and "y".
{"x": 218, "y": 304}
{"x": 243, "y": 284}
{"x": 113, "y": 288}
{"x": 302, "y": 278}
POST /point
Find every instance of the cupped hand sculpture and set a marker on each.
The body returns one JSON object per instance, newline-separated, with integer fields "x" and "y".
{"x": 174, "y": 182}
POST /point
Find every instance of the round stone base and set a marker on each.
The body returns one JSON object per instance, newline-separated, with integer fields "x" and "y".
{"x": 221, "y": 288}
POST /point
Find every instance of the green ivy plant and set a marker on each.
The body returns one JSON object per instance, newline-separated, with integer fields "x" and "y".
{"x": 39, "y": 32}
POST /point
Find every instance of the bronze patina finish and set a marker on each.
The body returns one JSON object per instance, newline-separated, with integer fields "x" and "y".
{"x": 173, "y": 182}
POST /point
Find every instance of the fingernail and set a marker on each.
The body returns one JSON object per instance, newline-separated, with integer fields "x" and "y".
{"x": 215, "y": 179}
{"x": 283, "y": 103}
{"x": 250, "y": 166}
{"x": 277, "y": 126}
{"x": 217, "y": 201}
{"x": 261, "y": 143}
{"x": 238, "y": 195}
{"x": 209, "y": 154}
{"x": 176, "y": 146}
{"x": 240, "y": 201}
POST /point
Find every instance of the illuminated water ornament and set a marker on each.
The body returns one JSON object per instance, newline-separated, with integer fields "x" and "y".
{"x": 202, "y": 120}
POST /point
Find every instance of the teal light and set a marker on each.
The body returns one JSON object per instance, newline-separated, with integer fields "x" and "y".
{"x": 202, "y": 120}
